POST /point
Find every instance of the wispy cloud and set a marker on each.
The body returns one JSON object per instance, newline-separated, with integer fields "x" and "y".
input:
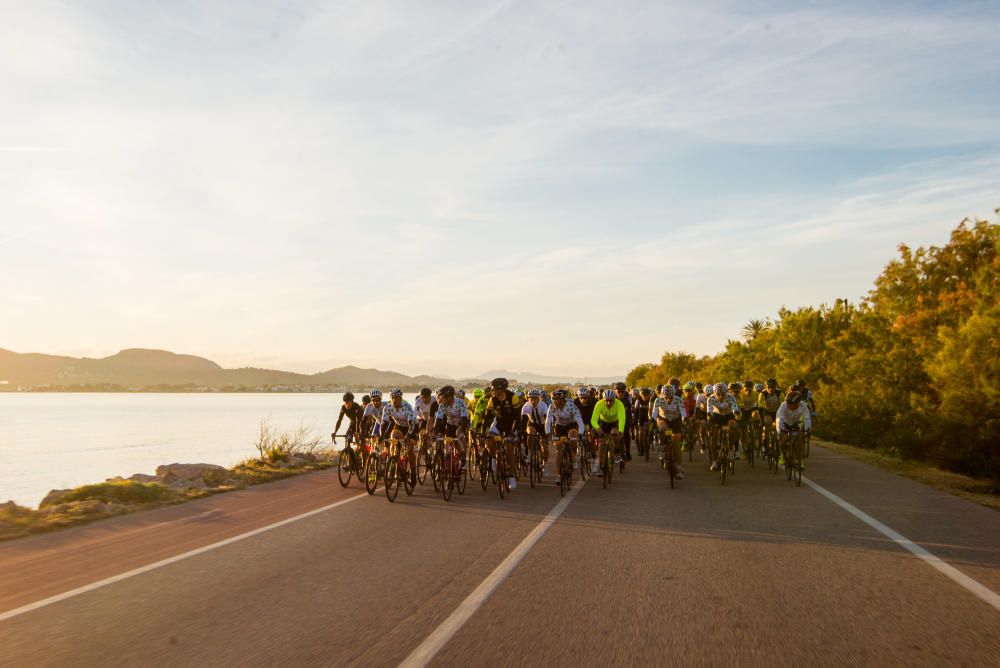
{"x": 500, "y": 185}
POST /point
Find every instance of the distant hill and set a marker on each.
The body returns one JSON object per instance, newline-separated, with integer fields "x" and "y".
{"x": 526, "y": 377}
{"x": 143, "y": 368}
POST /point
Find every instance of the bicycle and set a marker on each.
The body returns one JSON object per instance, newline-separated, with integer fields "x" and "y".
{"x": 565, "y": 448}
{"x": 398, "y": 465}
{"x": 607, "y": 448}
{"x": 793, "y": 454}
{"x": 351, "y": 461}
{"x": 375, "y": 464}
{"x": 667, "y": 461}
{"x": 425, "y": 458}
{"x": 534, "y": 461}
{"x": 453, "y": 473}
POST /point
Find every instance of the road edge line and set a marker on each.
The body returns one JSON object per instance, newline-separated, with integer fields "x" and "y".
{"x": 980, "y": 590}
{"x": 15, "y": 612}
{"x": 439, "y": 637}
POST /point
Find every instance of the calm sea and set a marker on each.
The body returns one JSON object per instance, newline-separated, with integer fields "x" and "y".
{"x": 56, "y": 441}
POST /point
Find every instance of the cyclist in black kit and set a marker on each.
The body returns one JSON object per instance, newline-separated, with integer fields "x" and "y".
{"x": 353, "y": 412}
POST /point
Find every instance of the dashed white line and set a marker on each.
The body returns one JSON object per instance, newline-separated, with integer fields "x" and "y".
{"x": 431, "y": 645}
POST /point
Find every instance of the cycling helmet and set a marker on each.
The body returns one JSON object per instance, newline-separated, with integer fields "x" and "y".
{"x": 446, "y": 392}
{"x": 635, "y": 391}
{"x": 478, "y": 393}
{"x": 366, "y": 399}
{"x": 772, "y": 383}
{"x": 646, "y": 391}
{"x": 499, "y": 384}
{"x": 676, "y": 382}
{"x": 758, "y": 388}
{"x": 620, "y": 386}
{"x": 720, "y": 388}
{"x": 519, "y": 393}
{"x": 659, "y": 388}
{"x": 545, "y": 395}
{"x": 534, "y": 394}
{"x": 609, "y": 394}
{"x": 699, "y": 386}
{"x": 668, "y": 390}
{"x": 376, "y": 393}
{"x": 688, "y": 386}
{"x": 395, "y": 392}
{"x": 709, "y": 389}
{"x": 747, "y": 384}
{"x": 793, "y": 397}
{"x": 348, "y": 396}
{"x": 733, "y": 387}
{"x": 425, "y": 392}
{"x": 581, "y": 392}
{"x": 562, "y": 394}
{"x": 460, "y": 393}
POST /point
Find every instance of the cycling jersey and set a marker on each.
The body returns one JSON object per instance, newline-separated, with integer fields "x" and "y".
{"x": 457, "y": 414}
{"x": 640, "y": 409}
{"x": 747, "y": 402}
{"x": 425, "y": 408}
{"x": 566, "y": 415}
{"x": 609, "y": 414}
{"x": 374, "y": 411}
{"x": 769, "y": 401}
{"x": 701, "y": 403}
{"x": 722, "y": 405}
{"x": 501, "y": 414}
{"x": 353, "y": 414}
{"x": 787, "y": 416}
{"x": 534, "y": 414}
{"x": 402, "y": 415}
{"x": 669, "y": 410}
{"x": 689, "y": 403}
{"x": 586, "y": 412}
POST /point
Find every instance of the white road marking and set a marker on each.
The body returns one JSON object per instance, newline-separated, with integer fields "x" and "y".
{"x": 958, "y": 576}
{"x": 431, "y": 645}
{"x": 170, "y": 560}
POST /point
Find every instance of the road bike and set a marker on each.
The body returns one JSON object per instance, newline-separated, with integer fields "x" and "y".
{"x": 565, "y": 449}
{"x": 534, "y": 463}
{"x": 667, "y": 461}
{"x": 425, "y": 457}
{"x": 793, "y": 437}
{"x": 607, "y": 447}
{"x": 452, "y": 469}
{"x": 352, "y": 459}
{"x": 398, "y": 466}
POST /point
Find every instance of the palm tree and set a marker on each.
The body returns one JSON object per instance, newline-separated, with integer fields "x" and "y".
{"x": 753, "y": 328}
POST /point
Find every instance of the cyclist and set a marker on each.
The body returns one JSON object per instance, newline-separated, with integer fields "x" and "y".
{"x": 807, "y": 397}
{"x": 670, "y": 414}
{"x": 736, "y": 392}
{"x": 793, "y": 411}
{"x": 353, "y": 411}
{"x": 533, "y": 415}
{"x": 701, "y": 412}
{"x": 400, "y": 422}
{"x": 372, "y": 419}
{"x": 642, "y": 409}
{"x": 425, "y": 406}
{"x": 768, "y": 402}
{"x": 501, "y": 412}
{"x": 451, "y": 418}
{"x": 621, "y": 393}
{"x": 722, "y": 412}
{"x": 563, "y": 419}
{"x": 609, "y": 418}
{"x": 473, "y": 408}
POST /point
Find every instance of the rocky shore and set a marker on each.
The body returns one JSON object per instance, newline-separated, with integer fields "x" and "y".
{"x": 172, "y": 483}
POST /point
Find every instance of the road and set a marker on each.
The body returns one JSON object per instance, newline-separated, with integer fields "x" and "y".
{"x": 755, "y": 572}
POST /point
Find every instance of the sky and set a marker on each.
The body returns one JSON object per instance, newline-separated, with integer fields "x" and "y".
{"x": 451, "y": 187}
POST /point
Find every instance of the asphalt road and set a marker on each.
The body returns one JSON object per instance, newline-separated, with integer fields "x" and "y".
{"x": 755, "y": 572}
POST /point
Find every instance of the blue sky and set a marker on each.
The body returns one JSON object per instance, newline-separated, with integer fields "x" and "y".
{"x": 447, "y": 187}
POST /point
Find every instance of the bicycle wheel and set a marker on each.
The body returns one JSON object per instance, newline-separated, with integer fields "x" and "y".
{"x": 797, "y": 463}
{"x": 463, "y": 477}
{"x": 392, "y": 479}
{"x": 473, "y": 460}
{"x": 372, "y": 473}
{"x": 723, "y": 456}
{"x": 584, "y": 448}
{"x": 501, "y": 475}
{"x": 448, "y": 481}
{"x": 484, "y": 470}
{"x": 409, "y": 482}
{"x": 345, "y": 467}
{"x": 437, "y": 471}
{"x": 671, "y": 467}
{"x": 532, "y": 458}
{"x": 424, "y": 464}
{"x": 808, "y": 438}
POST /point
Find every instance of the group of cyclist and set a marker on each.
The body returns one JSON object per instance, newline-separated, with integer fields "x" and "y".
{"x": 497, "y": 416}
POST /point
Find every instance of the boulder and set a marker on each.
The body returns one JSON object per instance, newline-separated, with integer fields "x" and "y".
{"x": 172, "y": 473}
{"x": 9, "y": 507}
{"x": 142, "y": 477}
{"x": 54, "y": 496}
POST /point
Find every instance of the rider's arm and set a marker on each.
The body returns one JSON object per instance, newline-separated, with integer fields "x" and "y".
{"x": 782, "y": 418}
{"x": 340, "y": 419}
{"x": 595, "y": 417}
{"x": 579, "y": 418}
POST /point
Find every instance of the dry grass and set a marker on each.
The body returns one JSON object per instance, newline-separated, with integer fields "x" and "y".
{"x": 973, "y": 489}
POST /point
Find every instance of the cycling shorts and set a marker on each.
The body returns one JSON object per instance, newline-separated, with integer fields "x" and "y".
{"x": 606, "y": 427}
{"x": 722, "y": 420}
{"x": 560, "y": 430}
{"x": 700, "y": 414}
{"x": 676, "y": 426}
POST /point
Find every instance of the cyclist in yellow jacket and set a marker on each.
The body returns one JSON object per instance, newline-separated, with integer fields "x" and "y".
{"x": 609, "y": 418}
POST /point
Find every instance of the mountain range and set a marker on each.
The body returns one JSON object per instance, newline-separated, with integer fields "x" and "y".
{"x": 145, "y": 368}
